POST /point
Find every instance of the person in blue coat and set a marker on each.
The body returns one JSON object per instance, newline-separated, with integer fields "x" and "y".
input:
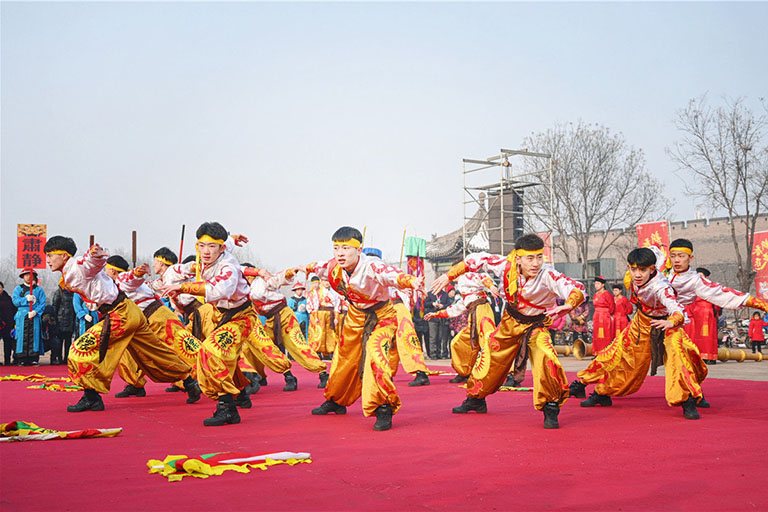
{"x": 298, "y": 303}
{"x": 29, "y": 344}
{"x": 85, "y": 317}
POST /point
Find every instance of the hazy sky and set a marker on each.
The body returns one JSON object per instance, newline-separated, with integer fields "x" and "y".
{"x": 285, "y": 121}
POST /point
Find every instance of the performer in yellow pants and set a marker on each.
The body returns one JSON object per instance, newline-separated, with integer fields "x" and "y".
{"x": 94, "y": 357}
{"x": 655, "y": 336}
{"x": 322, "y": 304}
{"x": 281, "y": 324}
{"x": 363, "y": 349}
{"x": 531, "y": 288}
{"x": 367, "y": 330}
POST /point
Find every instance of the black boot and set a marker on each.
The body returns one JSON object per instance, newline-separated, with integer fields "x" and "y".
{"x": 577, "y": 389}
{"x": 323, "y": 380}
{"x": 596, "y": 399}
{"x": 243, "y": 401}
{"x": 131, "y": 391}
{"x": 551, "y": 410}
{"x": 471, "y": 404}
{"x": 510, "y": 382}
{"x": 254, "y": 385}
{"x": 689, "y": 409}
{"x": 420, "y": 380}
{"x": 192, "y": 389}
{"x": 91, "y": 401}
{"x": 263, "y": 380}
{"x": 226, "y": 412}
{"x": 459, "y": 379}
{"x": 383, "y": 418}
{"x": 703, "y": 404}
{"x": 291, "y": 383}
{"x": 173, "y": 389}
{"x": 329, "y": 407}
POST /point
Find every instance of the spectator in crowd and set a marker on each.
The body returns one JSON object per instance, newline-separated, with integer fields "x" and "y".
{"x": 30, "y": 306}
{"x": 65, "y": 323}
{"x": 86, "y": 317}
{"x": 50, "y": 332}
{"x": 756, "y": 332}
{"x": 437, "y": 348}
{"x": 456, "y": 323}
{"x": 420, "y": 326}
{"x": 298, "y": 304}
{"x": 7, "y": 312}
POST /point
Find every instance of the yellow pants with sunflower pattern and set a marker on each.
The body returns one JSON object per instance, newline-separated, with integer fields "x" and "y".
{"x": 129, "y": 332}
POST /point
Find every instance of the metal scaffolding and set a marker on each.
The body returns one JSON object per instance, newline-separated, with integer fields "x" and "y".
{"x": 505, "y": 202}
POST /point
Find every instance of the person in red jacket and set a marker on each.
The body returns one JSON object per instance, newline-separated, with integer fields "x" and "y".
{"x": 623, "y": 310}
{"x": 602, "y": 321}
{"x": 756, "y": 332}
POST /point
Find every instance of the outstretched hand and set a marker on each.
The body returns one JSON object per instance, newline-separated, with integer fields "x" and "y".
{"x": 495, "y": 291}
{"x": 418, "y": 286}
{"x": 141, "y": 270}
{"x": 98, "y": 251}
{"x": 559, "y": 311}
{"x": 240, "y": 240}
{"x": 658, "y": 323}
{"x": 169, "y": 290}
{"x": 428, "y": 317}
{"x": 439, "y": 284}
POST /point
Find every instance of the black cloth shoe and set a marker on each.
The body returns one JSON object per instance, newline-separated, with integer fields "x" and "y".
{"x": 595, "y": 399}
{"x": 254, "y": 385}
{"x": 323, "y": 380}
{"x": 226, "y": 413}
{"x": 291, "y": 382}
{"x": 329, "y": 407}
{"x": 471, "y": 404}
{"x": 510, "y": 382}
{"x": 131, "y": 391}
{"x": 193, "y": 390}
{"x": 703, "y": 404}
{"x": 689, "y": 409}
{"x": 383, "y": 418}
{"x": 551, "y": 410}
{"x": 263, "y": 380}
{"x": 243, "y": 401}
{"x": 420, "y": 380}
{"x": 173, "y": 389}
{"x": 91, "y": 401}
{"x": 459, "y": 379}
{"x": 577, "y": 389}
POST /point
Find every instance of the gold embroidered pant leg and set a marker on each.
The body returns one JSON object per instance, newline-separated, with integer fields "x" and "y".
{"x": 296, "y": 345}
{"x": 684, "y": 369}
{"x": 463, "y": 352}
{"x": 620, "y": 369}
{"x": 130, "y": 372}
{"x": 259, "y": 349}
{"x": 550, "y": 384}
{"x": 407, "y": 342}
{"x": 218, "y": 372}
{"x": 492, "y": 364}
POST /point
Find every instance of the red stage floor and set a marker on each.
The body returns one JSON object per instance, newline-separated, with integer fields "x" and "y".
{"x": 637, "y": 455}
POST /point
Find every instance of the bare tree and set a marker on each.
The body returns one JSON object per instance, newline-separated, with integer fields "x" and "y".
{"x": 599, "y": 185}
{"x": 726, "y": 162}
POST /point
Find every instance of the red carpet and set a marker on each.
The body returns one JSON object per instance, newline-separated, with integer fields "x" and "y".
{"x": 637, "y": 455}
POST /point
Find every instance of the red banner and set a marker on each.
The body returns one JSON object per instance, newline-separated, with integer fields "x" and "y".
{"x": 653, "y": 233}
{"x": 760, "y": 263}
{"x": 29, "y": 247}
{"x": 547, "y": 246}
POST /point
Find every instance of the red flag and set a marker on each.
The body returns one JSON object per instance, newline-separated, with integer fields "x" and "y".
{"x": 760, "y": 263}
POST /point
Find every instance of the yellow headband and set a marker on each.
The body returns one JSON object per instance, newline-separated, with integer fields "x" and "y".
{"x": 523, "y": 252}
{"x": 352, "y": 242}
{"x": 208, "y": 238}
{"x": 682, "y": 249}
{"x": 164, "y": 260}
{"x": 116, "y": 268}
{"x": 59, "y": 251}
